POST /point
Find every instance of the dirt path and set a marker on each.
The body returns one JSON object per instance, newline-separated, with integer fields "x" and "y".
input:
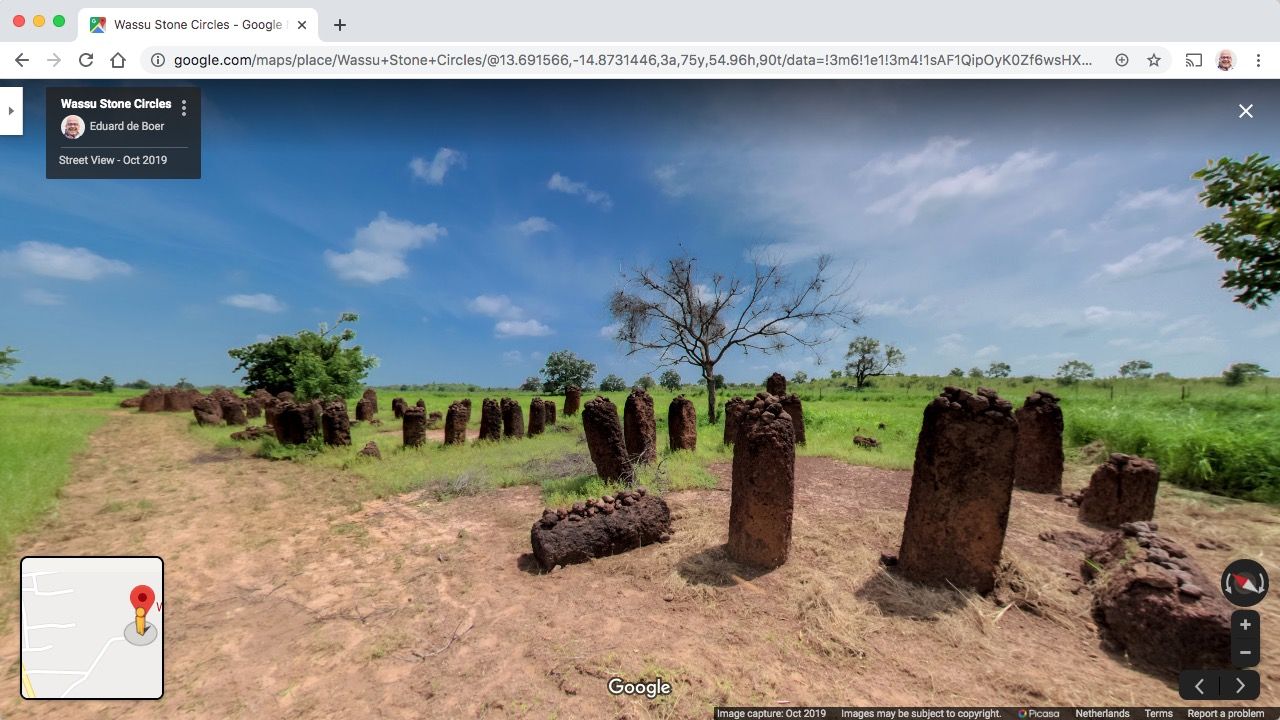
{"x": 280, "y": 603}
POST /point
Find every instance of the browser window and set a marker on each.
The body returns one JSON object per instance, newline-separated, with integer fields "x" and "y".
{"x": 581, "y": 360}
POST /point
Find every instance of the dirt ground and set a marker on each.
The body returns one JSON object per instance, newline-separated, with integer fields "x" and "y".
{"x": 281, "y": 603}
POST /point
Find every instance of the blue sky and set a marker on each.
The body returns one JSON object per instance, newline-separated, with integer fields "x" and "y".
{"x": 477, "y": 227}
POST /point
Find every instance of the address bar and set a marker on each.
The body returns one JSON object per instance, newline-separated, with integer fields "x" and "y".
{"x": 666, "y": 60}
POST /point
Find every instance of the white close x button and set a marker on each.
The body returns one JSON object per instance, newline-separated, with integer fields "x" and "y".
{"x": 1246, "y": 111}
{"x": 10, "y": 111}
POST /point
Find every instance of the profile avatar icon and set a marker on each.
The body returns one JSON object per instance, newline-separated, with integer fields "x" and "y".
{"x": 1226, "y": 60}
{"x": 72, "y": 127}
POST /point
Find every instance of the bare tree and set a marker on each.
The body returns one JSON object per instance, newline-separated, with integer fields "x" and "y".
{"x": 697, "y": 320}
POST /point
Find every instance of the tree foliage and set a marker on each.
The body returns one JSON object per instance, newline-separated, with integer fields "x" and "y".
{"x": 1248, "y": 235}
{"x": 976, "y": 373}
{"x": 999, "y": 370}
{"x": 1241, "y": 373}
{"x": 562, "y": 369}
{"x": 955, "y": 373}
{"x": 533, "y": 383}
{"x": 310, "y": 364}
{"x": 645, "y": 382}
{"x": 867, "y": 359}
{"x": 801, "y": 377}
{"x": 613, "y": 383}
{"x": 8, "y": 361}
{"x": 1136, "y": 369}
{"x": 670, "y": 379}
{"x": 694, "y": 318}
{"x": 1073, "y": 371}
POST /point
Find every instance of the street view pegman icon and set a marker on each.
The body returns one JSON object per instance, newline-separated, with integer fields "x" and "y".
{"x": 141, "y": 632}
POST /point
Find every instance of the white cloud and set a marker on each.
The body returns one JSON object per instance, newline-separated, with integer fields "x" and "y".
{"x": 59, "y": 261}
{"x": 610, "y": 331}
{"x": 898, "y": 307}
{"x": 511, "y": 317}
{"x": 952, "y": 344}
{"x": 1160, "y": 198}
{"x": 495, "y": 306}
{"x": 535, "y": 225}
{"x": 1190, "y": 322}
{"x": 986, "y": 353}
{"x": 980, "y": 181}
{"x": 433, "y": 171}
{"x": 1167, "y": 255}
{"x": 1166, "y": 347}
{"x": 520, "y": 328}
{"x": 1078, "y": 322}
{"x": 561, "y": 183}
{"x": 670, "y": 182}
{"x": 513, "y": 357}
{"x": 380, "y": 249}
{"x": 261, "y": 302}
{"x": 937, "y": 152}
{"x": 36, "y": 296}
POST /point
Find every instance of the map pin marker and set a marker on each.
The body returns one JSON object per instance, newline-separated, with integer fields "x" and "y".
{"x": 142, "y": 597}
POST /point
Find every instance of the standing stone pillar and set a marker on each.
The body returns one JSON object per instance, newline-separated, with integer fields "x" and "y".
{"x": 961, "y": 488}
{"x": 605, "y": 440}
{"x": 512, "y": 419}
{"x": 397, "y": 407}
{"x": 776, "y": 385}
{"x": 549, "y": 406}
{"x": 640, "y": 427}
{"x": 490, "y": 420}
{"x": 572, "y": 399}
{"x": 372, "y": 396}
{"x": 1123, "y": 489}
{"x": 682, "y": 424}
{"x": 793, "y": 407}
{"x": 336, "y": 424}
{"x": 366, "y": 410}
{"x": 764, "y": 482}
{"x": 537, "y": 417}
{"x": 1038, "y": 465}
{"x": 455, "y": 422}
{"x": 733, "y": 410}
{"x": 295, "y": 423}
{"x": 415, "y": 426}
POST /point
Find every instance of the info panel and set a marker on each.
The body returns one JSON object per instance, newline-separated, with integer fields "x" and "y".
{"x": 122, "y": 133}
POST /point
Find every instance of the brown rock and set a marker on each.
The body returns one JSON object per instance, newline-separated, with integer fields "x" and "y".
{"x": 1038, "y": 465}
{"x": 233, "y": 412}
{"x": 270, "y": 409}
{"x": 537, "y": 417}
{"x": 153, "y": 401}
{"x": 1158, "y": 616}
{"x": 764, "y": 482}
{"x": 179, "y": 399}
{"x": 285, "y": 396}
{"x": 296, "y": 423}
{"x": 455, "y": 423}
{"x": 776, "y": 385}
{"x": 1122, "y": 490}
{"x": 682, "y": 424}
{"x": 733, "y": 410}
{"x": 961, "y": 488}
{"x": 370, "y": 449}
{"x": 792, "y": 406}
{"x": 490, "y": 420}
{"x": 252, "y": 408}
{"x": 549, "y": 406}
{"x": 572, "y": 400}
{"x": 335, "y": 423}
{"x": 366, "y": 409}
{"x": 605, "y": 440}
{"x": 640, "y": 427}
{"x": 421, "y": 404}
{"x": 866, "y": 442}
{"x": 397, "y": 407}
{"x": 414, "y": 429}
{"x": 208, "y": 411}
{"x": 252, "y": 433}
{"x": 372, "y": 396}
{"x": 601, "y": 533}
{"x": 512, "y": 419}
{"x": 132, "y": 402}
{"x": 434, "y": 420}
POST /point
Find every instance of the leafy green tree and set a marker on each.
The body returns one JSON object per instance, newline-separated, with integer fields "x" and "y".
{"x": 698, "y": 318}
{"x": 999, "y": 370}
{"x": 717, "y": 381}
{"x": 1249, "y": 234}
{"x": 47, "y": 382}
{"x": 956, "y": 373}
{"x": 8, "y": 361}
{"x": 1241, "y": 373}
{"x": 1073, "y": 371}
{"x": 308, "y": 364}
{"x": 646, "y": 382}
{"x": 533, "y": 383}
{"x": 184, "y": 384}
{"x": 867, "y": 359}
{"x": 801, "y": 377}
{"x": 107, "y": 384}
{"x": 562, "y": 369}
{"x": 613, "y": 383}
{"x": 976, "y": 373}
{"x": 1136, "y": 369}
{"x": 836, "y": 373}
{"x": 137, "y": 385}
{"x": 670, "y": 379}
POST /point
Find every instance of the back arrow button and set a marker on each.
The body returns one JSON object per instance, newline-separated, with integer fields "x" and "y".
{"x": 21, "y": 60}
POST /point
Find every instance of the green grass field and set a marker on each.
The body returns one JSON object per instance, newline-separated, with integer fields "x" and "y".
{"x": 40, "y": 436}
{"x": 1205, "y": 436}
